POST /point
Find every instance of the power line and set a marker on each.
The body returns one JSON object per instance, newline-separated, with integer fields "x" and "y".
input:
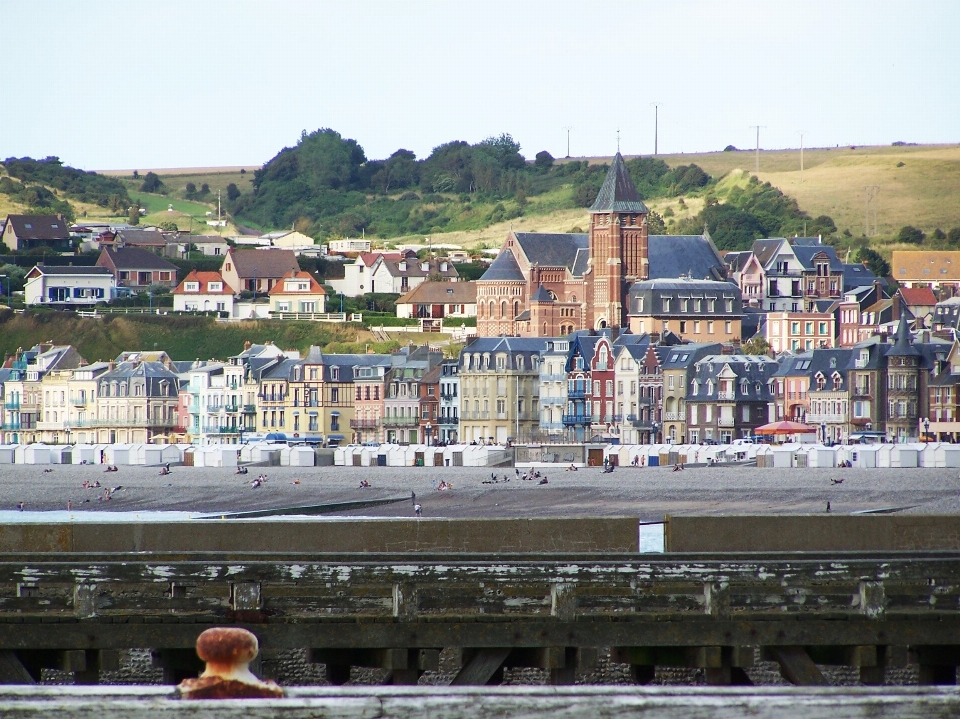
{"x": 871, "y": 200}
{"x": 758, "y": 144}
{"x": 801, "y": 133}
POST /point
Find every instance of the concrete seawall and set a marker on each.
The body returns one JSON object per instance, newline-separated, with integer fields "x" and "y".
{"x": 811, "y": 533}
{"x": 536, "y": 535}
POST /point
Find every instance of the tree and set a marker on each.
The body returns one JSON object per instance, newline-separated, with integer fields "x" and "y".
{"x": 872, "y": 259}
{"x": 190, "y": 191}
{"x": 655, "y": 224}
{"x": 134, "y": 218}
{"x": 953, "y": 236}
{"x": 169, "y": 226}
{"x": 756, "y": 345}
{"x": 911, "y": 235}
{"x": 152, "y": 183}
{"x": 543, "y": 161}
{"x": 204, "y": 189}
{"x": 938, "y": 234}
{"x": 233, "y": 192}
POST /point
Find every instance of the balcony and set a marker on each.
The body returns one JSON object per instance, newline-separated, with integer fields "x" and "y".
{"x": 13, "y": 404}
{"x": 576, "y": 393}
{"x": 726, "y": 395}
{"x": 445, "y": 421}
{"x": 231, "y": 408}
{"x": 122, "y": 423}
{"x": 826, "y": 418}
{"x": 220, "y": 429}
{"x": 279, "y": 397}
{"x": 725, "y": 422}
{"x": 79, "y": 400}
{"x": 861, "y": 391}
{"x": 575, "y": 419}
{"x": 401, "y": 421}
{"x": 673, "y": 416}
{"x": 11, "y": 426}
{"x": 448, "y": 396}
{"x": 249, "y": 409}
{"x": 364, "y": 423}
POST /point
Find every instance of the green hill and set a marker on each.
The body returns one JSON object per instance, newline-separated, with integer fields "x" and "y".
{"x": 183, "y": 338}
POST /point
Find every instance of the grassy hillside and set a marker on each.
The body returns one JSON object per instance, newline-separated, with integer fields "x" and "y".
{"x": 183, "y": 338}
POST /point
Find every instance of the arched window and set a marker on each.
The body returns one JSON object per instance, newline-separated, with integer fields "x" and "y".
{"x": 503, "y": 309}
{"x": 516, "y": 308}
{"x": 709, "y": 386}
{"x": 491, "y": 309}
{"x": 544, "y": 329}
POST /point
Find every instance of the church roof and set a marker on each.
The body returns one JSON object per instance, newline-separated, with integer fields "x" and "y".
{"x": 505, "y": 267}
{"x": 618, "y": 193}
{"x": 551, "y": 249}
{"x": 541, "y": 295}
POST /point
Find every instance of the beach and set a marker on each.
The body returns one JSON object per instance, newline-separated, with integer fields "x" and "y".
{"x": 647, "y": 493}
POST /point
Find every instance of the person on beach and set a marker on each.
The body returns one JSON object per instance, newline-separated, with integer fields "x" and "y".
{"x": 20, "y": 506}
{"x": 418, "y": 510}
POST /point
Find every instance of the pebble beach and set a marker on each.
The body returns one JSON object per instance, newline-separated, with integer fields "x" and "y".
{"x": 647, "y": 493}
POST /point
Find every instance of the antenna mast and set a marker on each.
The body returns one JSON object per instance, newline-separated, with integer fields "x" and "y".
{"x": 757, "y": 127}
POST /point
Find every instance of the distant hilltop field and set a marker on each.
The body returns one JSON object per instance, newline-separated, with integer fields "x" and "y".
{"x": 473, "y": 195}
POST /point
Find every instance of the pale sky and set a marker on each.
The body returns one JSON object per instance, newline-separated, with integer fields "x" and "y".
{"x": 135, "y": 85}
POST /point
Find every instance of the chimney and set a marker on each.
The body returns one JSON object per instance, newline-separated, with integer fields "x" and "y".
{"x": 246, "y": 346}
{"x": 111, "y": 366}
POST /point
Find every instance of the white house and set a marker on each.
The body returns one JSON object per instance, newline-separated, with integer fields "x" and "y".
{"x": 69, "y": 286}
{"x": 349, "y": 246}
{"x": 357, "y": 280}
{"x": 392, "y": 272}
{"x": 436, "y": 300}
{"x": 203, "y": 292}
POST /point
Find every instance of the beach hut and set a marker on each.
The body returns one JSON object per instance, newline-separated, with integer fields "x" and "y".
{"x": 866, "y": 455}
{"x": 61, "y": 454}
{"x": 821, "y": 456}
{"x": 930, "y": 454}
{"x": 884, "y": 455}
{"x": 8, "y": 453}
{"x": 157, "y": 454}
{"x": 340, "y": 456}
{"x": 118, "y": 454}
{"x": 951, "y": 455}
{"x": 395, "y": 456}
{"x": 903, "y": 456}
{"x": 783, "y": 455}
{"x": 764, "y": 456}
{"x": 83, "y": 454}
{"x": 36, "y": 454}
{"x": 302, "y": 456}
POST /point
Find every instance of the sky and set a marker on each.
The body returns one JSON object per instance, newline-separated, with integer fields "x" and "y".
{"x": 107, "y": 84}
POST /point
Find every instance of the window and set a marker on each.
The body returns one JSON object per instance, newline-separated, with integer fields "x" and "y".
{"x": 808, "y": 328}
{"x": 334, "y": 394}
{"x": 164, "y": 276}
{"x": 596, "y": 388}
{"x": 666, "y": 304}
{"x": 191, "y": 287}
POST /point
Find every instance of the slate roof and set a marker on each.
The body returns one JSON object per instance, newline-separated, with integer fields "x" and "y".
{"x": 541, "y": 295}
{"x": 618, "y": 193}
{"x": 38, "y": 227}
{"x": 675, "y": 255}
{"x": 265, "y": 264}
{"x": 505, "y": 267}
{"x": 685, "y": 285}
{"x": 858, "y": 275}
{"x": 141, "y": 237}
{"x": 766, "y": 249}
{"x": 903, "y": 346}
{"x": 152, "y": 372}
{"x": 414, "y": 267}
{"x": 756, "y": 369}
{"x": 683, "y": 356}
{"x": 135, "y": 258}
{"x": 806, "y": 253}
{"x": 549, "y": 249}
{"x": 67, "y": 270}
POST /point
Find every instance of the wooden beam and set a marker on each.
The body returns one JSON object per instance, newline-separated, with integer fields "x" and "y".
{"x": 797, "y": 667}
{"x": 12, "y": 670}
{"x": 482, "y": 667}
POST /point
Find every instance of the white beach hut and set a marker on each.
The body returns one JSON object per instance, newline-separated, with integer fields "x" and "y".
{"x": 395, "y": 456}
{"x": 8, "y": 453}
{"x": 83, "y": 454}
{"x": 36, "y": 454}
{"x": 783, "y": 454}
{"x": 61, "y": 454}
{"x": 885, "y": 455}
{"x": 820, "y": 456}
{"x": 302, "y": 456}
{"x": 866, "y": 455}
{"x": 951, "y": 455}
{"x": 904, "y": 456}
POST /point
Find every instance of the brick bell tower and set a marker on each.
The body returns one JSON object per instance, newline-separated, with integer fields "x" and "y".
{"x": 618, "y": 247}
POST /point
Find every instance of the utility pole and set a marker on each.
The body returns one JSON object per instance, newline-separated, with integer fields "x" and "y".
{"x": 568, "y": 140}
{"x": 757, "y": 127}
{"x": 656, "y": 118}
{"x": 801, "y": 133}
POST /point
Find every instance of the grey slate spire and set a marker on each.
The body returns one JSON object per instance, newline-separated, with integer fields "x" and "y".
{"x": 903, "y": 346}
{"x": 618, "y": 193}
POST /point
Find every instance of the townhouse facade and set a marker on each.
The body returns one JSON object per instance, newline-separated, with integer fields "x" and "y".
{"x": 729, "y": 397}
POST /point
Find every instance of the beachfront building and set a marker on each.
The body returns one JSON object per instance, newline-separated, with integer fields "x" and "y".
{"x": 274, "y": 405}
{"x": 207, "y": 384}
{"x": 449, "y": 419}
{"x": 137, "y": 401}
{"x": 829, "y": 394}
{"x": 553, "y": 388}
{"x": 677, "y": 369}
{"x": 638, "y": 388}
{"x": 943, "y": 396}
{"x": 729, "y": 397}
{"x": 402, "y": 404}
{"x": 799, "y": 331}
{"x": 23, "y": 389}
{"x": 369, "y": 389}
{"x": 500, "y": 389}
{"x": 430, "y": 406}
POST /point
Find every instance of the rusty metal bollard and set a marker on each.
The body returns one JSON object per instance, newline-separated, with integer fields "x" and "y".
{"x": 228, "y": 652}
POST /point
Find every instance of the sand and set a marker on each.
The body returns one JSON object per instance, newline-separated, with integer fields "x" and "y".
{"x": 648, "y": 493}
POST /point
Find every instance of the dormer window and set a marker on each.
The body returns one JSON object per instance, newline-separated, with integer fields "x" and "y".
{"x": 215, "y": 286}
{"x": 694, "y": 387}
{"x": 709, "y": 387}
{"x": 402, "y": 266}
{"x": 335, "y": 374}
{"x": 191, "y": 286}
{"x": 425, "y": 266}
{"x": 444, "y": 266}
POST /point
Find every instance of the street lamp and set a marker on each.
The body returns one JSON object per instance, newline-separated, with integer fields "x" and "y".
{"x": 823, "y": 431}
{"x": 655, "y": 426}
{"x": 429, "y": 430}
{"x": 926, "y": 429}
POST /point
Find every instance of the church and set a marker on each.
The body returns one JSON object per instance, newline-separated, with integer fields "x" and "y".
{"x": 549, "y": 285}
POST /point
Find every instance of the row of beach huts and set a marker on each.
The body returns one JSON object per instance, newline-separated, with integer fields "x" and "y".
{"x": 421, "y": 455}
{"x": 155, "y": 455}
{"x": 928, "y": 454}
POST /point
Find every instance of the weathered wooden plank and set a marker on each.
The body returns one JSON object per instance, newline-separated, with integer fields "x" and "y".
{"x": 12, "y": 670}
{"x": 482, "y": 667}
{"x": 796, "y": 666}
